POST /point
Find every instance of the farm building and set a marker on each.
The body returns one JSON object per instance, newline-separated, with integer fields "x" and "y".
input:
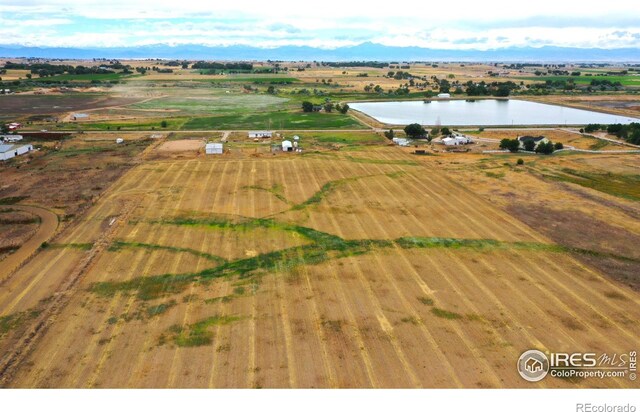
{"x": 444, "y": 95}
{"x": 119, "y": 140}
{"x": 11, "y": 137}
{"x": 456, "y": 140}
{"x": 535, "y": 139}
{"x": 260, "y": 133}
{"x": 13, "y": 126}
{"x": 213, "y": 148}
{"x": 287, "y": 146}
{"x": 79, "y": 116}
{"x": 8, "y": 151}
{"x": 400, "y": 141}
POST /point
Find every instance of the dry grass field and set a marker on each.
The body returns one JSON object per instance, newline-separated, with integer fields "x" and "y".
{"x": 351, "y": 268}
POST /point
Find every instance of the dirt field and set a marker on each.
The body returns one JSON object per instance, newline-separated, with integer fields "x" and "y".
{"x": 356, "y": 268}
{"x": 182, "y": 146}
{"x": 46, "y": 227}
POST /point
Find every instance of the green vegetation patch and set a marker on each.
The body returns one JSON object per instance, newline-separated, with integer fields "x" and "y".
{"x": 12, "y": 200}
{"x": 281, "y": 120}
{"x": 14, "y": 320}
{"x": 156, "y": 310}
{"x": 620, "y": 185}
{"x": 199, "y": 333}
{"x": 441, "y": 313}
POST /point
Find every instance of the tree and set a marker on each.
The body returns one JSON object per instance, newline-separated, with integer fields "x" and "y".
{"x": 445, "y": 131}
{"x": 28, "y": 75}
{"x": 545, "y": 148}
{"x": 328, "y": 107}
{"x": 307, "y": 107}
{"x": 503, "y": 91}
{"x": 529, "y": 145}
{"x": 163, "y": 123}
{"x": 344, "y": 108}
{"x": 271, "y": 90}
{"x": 415, "y": 130}
{"x": 512, "y": 145}
{"x": 389, "y": 134}
{"x": 558, "y": 146}
{"x": 435, "y": 131}
{"x": 520, "y": 162}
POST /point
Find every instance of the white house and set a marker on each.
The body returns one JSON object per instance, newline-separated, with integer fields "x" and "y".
{"x": 11, "y": 137}
{"x": 260, "y": 133}
{"x": 8, "y": 151}
{"x": 444, "y": 95}
{"x": 213, "y": 148}
{"x": 287, "y": 146}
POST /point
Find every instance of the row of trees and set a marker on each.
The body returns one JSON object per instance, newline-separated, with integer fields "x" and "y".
{"x": 513, "y": 145}
{"x": 629, "y": 132}
{"x": 328, "y": 107}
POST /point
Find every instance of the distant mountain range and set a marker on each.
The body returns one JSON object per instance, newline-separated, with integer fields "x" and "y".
{"x": 364, "y": 51}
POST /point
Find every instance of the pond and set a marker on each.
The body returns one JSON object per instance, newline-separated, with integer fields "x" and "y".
{"x": 483, "y": 112}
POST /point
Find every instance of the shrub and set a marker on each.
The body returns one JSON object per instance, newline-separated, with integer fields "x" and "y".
{"x": 520, "y": 162}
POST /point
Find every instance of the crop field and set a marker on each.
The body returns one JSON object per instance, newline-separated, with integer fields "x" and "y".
{"x": 356, "y": 268}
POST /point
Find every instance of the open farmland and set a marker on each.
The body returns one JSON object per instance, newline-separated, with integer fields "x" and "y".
{"x": 358, "y": 268}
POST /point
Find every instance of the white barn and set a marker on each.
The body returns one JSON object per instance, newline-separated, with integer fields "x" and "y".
{"x": 456, "y": 140}
{"x": 260, "y": 133}
{"x": 444, "y": 96}
{"x": 287, "y": 146}
{"x": 213, "y": 148}
{"x": 9, "y": 151}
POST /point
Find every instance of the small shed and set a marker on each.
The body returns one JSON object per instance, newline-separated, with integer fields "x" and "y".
{"x": 119, "y": 140}
{"x": 79, "y": 116}
{"x": 9, "y": 151}
{"x": 444, "y": 96}
{"x": 260, "y": 133}
{"x": 287, "y": 146}
{"x": 213, "y": 148}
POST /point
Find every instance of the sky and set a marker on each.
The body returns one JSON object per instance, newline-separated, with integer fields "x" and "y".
{"x": 479, "y": 25}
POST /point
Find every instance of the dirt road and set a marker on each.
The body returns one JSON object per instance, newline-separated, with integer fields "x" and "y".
{"x": 48, "y": 226}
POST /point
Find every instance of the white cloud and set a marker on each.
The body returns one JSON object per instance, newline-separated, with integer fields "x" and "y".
{"x": 330, "y": 23}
